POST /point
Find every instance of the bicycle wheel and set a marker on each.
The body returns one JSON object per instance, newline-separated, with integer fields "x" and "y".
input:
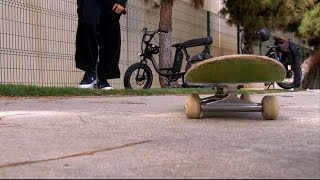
{"x": 138, "y": 76}
{"x": 293, "y": 77}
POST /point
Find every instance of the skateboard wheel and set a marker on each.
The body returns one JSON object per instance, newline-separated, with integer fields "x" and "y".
{"x": 270, "y": 108}
{"x": 245, "y": 97}
{"x": 193, "y": 106}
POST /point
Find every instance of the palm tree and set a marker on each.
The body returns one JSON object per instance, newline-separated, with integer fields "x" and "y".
{"x": 311, "y": 31}
{"x": 165, "y": 55}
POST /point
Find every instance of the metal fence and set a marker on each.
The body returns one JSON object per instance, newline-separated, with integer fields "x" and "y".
{"x": 37, "y": 38}
{"x": 37, "y": 42}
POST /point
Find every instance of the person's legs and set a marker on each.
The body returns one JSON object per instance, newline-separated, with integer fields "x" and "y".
{"x": 110, "y": 44}
{"x": 86, "y": 55}
{"x": 86, "y": 47}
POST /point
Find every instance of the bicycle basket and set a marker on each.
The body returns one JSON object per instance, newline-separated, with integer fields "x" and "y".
{"x": 154, "y": 49}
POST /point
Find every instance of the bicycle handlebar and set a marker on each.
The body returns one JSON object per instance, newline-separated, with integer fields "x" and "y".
{"x": 148, "y": 35}
{"x": 162, "y": 30}
{"x": 152, "y": 33}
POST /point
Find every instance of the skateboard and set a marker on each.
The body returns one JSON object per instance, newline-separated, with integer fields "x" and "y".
{"x": 228, "y": 74}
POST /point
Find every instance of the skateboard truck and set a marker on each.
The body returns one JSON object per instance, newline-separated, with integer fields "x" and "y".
{"x": 226, "y": 100}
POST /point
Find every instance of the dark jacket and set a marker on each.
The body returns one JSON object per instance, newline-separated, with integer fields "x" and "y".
{"x": 122, "y": 3}
{"x": 89, "y": 10}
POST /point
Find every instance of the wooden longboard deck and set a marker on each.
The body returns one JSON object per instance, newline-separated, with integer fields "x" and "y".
{"x": 233, "y": 69}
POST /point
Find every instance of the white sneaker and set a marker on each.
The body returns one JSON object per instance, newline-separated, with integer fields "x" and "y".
{"x": 104, "y": 86}
{"x": 107, "y": 88}
{"x": 88, "y": 81}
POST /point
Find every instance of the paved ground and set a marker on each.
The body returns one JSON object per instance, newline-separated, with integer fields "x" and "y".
{"x": 150, "y": 137}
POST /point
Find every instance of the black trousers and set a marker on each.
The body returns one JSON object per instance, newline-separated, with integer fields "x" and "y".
{"x": 98, "y": 39}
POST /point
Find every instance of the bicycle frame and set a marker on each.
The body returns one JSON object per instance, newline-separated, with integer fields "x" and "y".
{"x": 140, "y": 74}
{"x": 148, "y": 49}
{"x": 273, "y": 53}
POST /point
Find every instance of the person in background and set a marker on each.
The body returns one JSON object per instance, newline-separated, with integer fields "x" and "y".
{"x": 98, "y": 37}
{"x": 290, "y": 52}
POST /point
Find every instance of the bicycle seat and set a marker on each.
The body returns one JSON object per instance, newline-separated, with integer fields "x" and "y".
{"x": 195, "y": 42}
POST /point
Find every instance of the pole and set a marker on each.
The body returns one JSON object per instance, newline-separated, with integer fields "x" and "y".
{"x": 209, "y": 25}
{"x": 238, "y": 39}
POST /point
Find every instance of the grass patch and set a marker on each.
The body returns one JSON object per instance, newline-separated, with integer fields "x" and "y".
{"x": 37, "y": 91}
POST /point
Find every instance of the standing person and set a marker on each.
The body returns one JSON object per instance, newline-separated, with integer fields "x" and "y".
{"x": 99, "y": 36}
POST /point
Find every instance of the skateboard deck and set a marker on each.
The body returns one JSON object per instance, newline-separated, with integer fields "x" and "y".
{"x": 227, "y": 73}
{"x": 236, "y": 69}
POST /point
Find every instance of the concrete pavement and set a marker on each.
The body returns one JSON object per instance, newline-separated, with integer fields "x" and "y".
{"x": 150, "y": 137}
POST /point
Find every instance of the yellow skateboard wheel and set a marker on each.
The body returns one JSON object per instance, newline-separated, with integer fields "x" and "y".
{"x": 245, "y": 97}
{"x": 270, "y": 108}
{"x": 193, "y": 106}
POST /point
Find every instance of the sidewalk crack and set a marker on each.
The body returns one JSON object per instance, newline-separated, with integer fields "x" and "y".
{"x": 86, "y": 153}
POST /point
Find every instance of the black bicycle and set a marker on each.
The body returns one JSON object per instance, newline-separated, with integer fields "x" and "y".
{"x": 290, "y": 60}
{"x": 139, "y": 75}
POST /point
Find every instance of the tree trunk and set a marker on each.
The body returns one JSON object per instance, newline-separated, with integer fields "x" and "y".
{"x": 165, "y": 55}
{"x": 247, "y": 40}
{"x": 310, "y": 68}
